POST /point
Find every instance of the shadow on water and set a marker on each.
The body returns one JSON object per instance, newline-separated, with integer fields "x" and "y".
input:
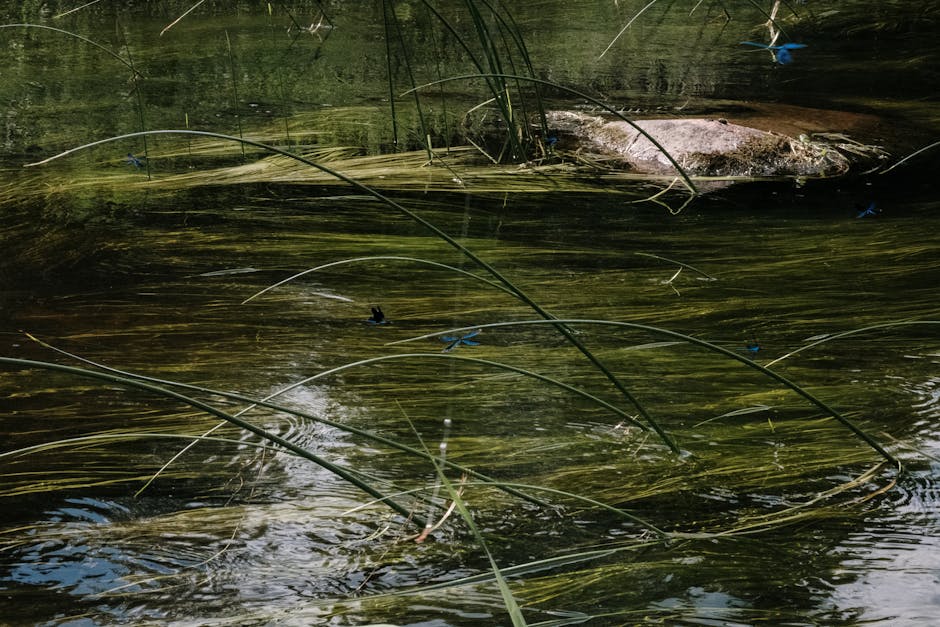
{"x": 775, "y": 513}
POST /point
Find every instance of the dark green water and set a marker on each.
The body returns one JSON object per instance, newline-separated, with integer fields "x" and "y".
{"x": 151, "y": 281}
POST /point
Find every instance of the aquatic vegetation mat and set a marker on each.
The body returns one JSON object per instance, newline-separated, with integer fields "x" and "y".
{"x": 356, "y": 339}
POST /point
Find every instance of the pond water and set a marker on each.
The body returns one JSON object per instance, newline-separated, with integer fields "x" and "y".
{"x": 773, "y": 511}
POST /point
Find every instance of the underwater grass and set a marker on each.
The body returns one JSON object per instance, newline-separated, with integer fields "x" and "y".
{"x": 569, "y": 336}
{"x": 874, "y": 444}
{"x": 210, "y": 409}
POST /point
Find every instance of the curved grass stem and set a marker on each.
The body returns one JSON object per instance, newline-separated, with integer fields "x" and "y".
{"x": 428, "y": 262}
{"x": 574, "y": 92}
{"x": 104, "y": 49}
{"x": 341, "y": 472}
{"x": 267, "y": 404}
{"x": 835, "y": 336}
{"x": 567, "y": 333}
{"x": 692, "y": 340}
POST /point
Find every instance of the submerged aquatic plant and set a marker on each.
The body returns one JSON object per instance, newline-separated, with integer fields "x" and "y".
{"x": 499, "y": 277}
{"x": 625, "y": 479}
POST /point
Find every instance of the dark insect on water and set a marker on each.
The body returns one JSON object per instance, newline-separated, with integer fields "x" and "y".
{"x": 870, "y": 210}
{"x": 137, "y": 162}
{"x": 453, "y": 341}
{"x": 377, "y": 316}
{"x": 782, "y": 54}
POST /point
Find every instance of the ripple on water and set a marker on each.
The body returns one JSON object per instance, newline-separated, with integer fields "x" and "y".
{"x": 891, "y": 570}
{"x": 927, "y": 403}
{"x": 77, "y": 550}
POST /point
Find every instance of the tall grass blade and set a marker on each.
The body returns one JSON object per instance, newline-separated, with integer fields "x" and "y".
{"x": 511, "y": 27}
{"x": 911, "y": 156}
{"x": 233, "y": 71}
{"x": 422, "y": 122}
{"x": 495, "y": 84}
{"x": 427, "y": 262}
{"x": 339, "y": 471}
{"x": 473, "y": 360}
{"x": 135, "y": 77}
{"x": 266, "y": 403}
{"x": 567, "y": 333}
{"x": 108, "y": 51}
{"x": 177, "y": 20}
{"x": 134, "y": 435}
{"x": 78, "y": 8}
{"x": 835, "y": 336}
{"x": 685, "y": 176}
{"x": 624, "y": 29}
{"x": 515, "y": 613}
{"x": 692, "y": 340}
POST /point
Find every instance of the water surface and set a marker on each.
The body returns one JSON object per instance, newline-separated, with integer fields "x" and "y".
{"x": 797, "y": 520}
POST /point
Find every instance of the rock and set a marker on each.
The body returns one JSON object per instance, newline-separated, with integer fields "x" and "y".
{"x": 702, "y": 147}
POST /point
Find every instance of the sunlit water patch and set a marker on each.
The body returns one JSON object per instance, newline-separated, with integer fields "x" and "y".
{"x": 890, "y": 571}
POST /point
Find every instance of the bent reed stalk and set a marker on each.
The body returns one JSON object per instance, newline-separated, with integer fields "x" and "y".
{"x": 565, "y": 331}
{"x": 341, "y": 472}
{"x": 692, "y": 340}
{"x": 428, "y": 262}
{"x": 693, "y": 190}
{"x": 267, "y": 404}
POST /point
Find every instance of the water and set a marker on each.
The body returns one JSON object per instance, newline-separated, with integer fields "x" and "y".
{"x": 152, "y": 281}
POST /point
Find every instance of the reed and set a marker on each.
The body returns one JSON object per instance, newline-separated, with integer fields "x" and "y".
{"x": 498, "y": 276}
{"x": 574, "y": 92}
{"x": 346, "y": 474}
{"x": 135, "y": 77}
{"x": 456, "y": 497}
{"x": 235, "y": 102}
{"x": 494, "y": 45}
{"x": 874, "y": 444}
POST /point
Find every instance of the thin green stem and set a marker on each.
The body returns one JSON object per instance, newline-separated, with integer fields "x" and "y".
{"x": 209, "y": 409}
{"x": 108, "y": 51}
{"x": 388, "y": 71}
{"x": 266, "y": 403}
{"x": 835, "y": 336}
{"x": 426, "y": 224}
{"x": 685, "y": 176}
{"x": 233, "y": 71}
{"x": 428, "y": 262}
{"x": 692, "y": 340}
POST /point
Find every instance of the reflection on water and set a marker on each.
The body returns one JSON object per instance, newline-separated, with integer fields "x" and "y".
{"x": 889, "y": 571}
{"x": 893, "y": 565}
